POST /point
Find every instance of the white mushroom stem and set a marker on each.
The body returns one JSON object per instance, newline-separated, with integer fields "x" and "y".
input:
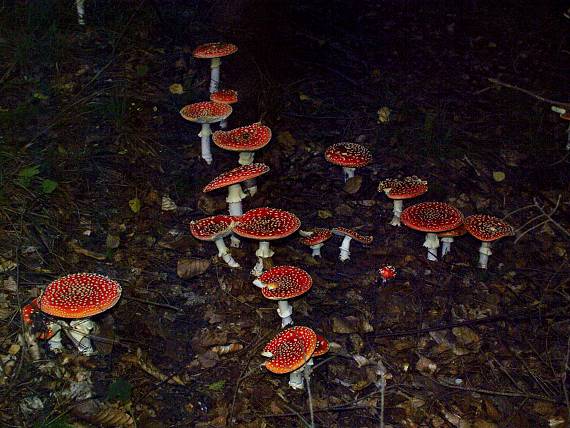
{"x": 215, "y": 75}
{"x": 80, "y": 4}
{"x": 484, "y": 253}
{"x": 234, "y": 241}
{"x": 397, "y": 210}
{"x": 235, "y": 195}
{"x": 224, "y": 124}
{"x": 316, "y": 249}
{"x": 296, "y": 377}
{"x": 285, "y": 310}
{"x": 205, "y": 136}
{"x": 446, "y": 245}
{"x": 432, "y": 244}
{"x": 54, "y": 343}
{"x": 246, "y": 158}
{"x": 78, "y": 332}
{"x": 224, "y": 253}
{"x": 258, "y": 268}
{"x": 259, "y": 283}
{"x": 263, "y": 252}
{"x": 345, "y": 249}
{"x": 348, "y": 173}
{"x": 568, "y": 141}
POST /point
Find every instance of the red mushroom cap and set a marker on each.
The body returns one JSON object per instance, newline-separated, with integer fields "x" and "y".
{"x": 322, "y": 346}
{"x": 452, "y": 233}
{"x": 350, "y": 155}
{"x": 214, "y": 50}
{"x": 387, "y": 272}
{"x": 487, "y": 228}
{"x": 290, "y": 282}
{"x": 318, "y": 236}
{"x": 431, "y": 217}
{"x": 206, "y": 112}
{"x": 267, "y": 224}
{"x": 212, "y": 228}
{"x": 236, "y": 175}
{"x": 243, "y": 139}
{"x": 28, "y": 312}
{"x": 79, "y": 295}
{"x": 290, "y": 349}
{"x": 406, "y": 188}
{"x": 344, "y": 231}
{"x": 565, "y": 116}
{"x": 224, "y": 96}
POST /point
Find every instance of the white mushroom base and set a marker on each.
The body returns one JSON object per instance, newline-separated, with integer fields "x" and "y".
{"x": 317, "y": 249}
{"x": 205, "y": 141}
{"x": 285, "y": 310}
{"x": 224, "y": 253}
{"x": 397, "y": 211}
{"x": 345, "y": 249}
{"x": 215, "y": 75}
{"x": 446, "y": 245}
{"x": 263, "y": 252}
{"x": 296, "y": 377}
{"x": 79, "y": 331}
{"x": 432, "y": 244}
{"x": 80, "y": 5}
{"x": 484, "y": 253}
{"x": 348, "y": 173}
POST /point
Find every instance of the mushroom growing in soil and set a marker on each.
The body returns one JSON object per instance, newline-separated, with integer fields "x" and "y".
{"x": 290, "y": 350}
{"x": 387, "y": 272}
{"x": 315, "y": 239}
{"x": 349, "y": 235}
{"x": 266, "y": 224}
{"x": 205, "y": 113}
{"x": 348, "y": 155}
{"x": 216, "y": 228}
{"x": 400, "y": 189}
{"x": 432, "y": 217}
{"x": 487, "y": 229}
{"x": 79, "y": 296}
{"x": 296, "y": 377}
{"x": 214, "y": 51}
{"x": 39, "y": 326}
{"x": 224, "y": 96}
{"x": 282, "y": 283}
{"x": 245, "y": 140}
{"x": 448, "y": 237}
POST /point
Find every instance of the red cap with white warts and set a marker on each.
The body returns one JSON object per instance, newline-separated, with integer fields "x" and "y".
{"x": 79, "y": 295}
{"x": 243, "y": 139}
{"x": 318, "y": 236}
{"x": 212, "y": 228}
{"x": 349, "y": 155}
{"x": 387, "y": 272}
{"x": 214, "y": 50}
{"x": 236, "y": 175}
{"x": 344, "y": 231}
{"x": 267, "y": 224}
{"x": 322, "y": 346}
{"x": 406, "y": 188}
{"x": 286, "y": 282}
{"x": 487, "y": 228}
{"x": 290, "y": 349}
{"x": 224, "y": 96}
{"x": 431, "y": 217}
{"x": 206, "y": 112}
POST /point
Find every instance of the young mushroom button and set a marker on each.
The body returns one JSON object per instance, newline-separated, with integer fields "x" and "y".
{"x": 349, "y": 235}
{"x": 215, "y": 228}
{"x": 486, "y": 228}
{"x": 214, "y": 51}
{"x": 315, "y": 239}
{"x": 399, "y": 189}
{"x": 224, "y": 96}
{"x": 349, "y": 156}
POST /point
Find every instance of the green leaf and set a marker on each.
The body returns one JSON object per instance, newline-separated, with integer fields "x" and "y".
{"x": 29, "y": 172}
{"x": 48, "y": 186}
{"x": 499, "y": 176}
{"x": 135, "y": 205}
{"x": 120, "y": 390}
{"x": 59, "y": 422}
{"x": 217, "y": 386}
{"x": 141, "y": 70}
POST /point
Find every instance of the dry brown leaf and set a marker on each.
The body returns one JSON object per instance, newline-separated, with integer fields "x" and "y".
{"x": 103, "y": 414}
{"x": 227, "y": 349}
{"x": 74, "y": 245}
{"x": 189, "y": 268}
{"x": 144, "y": 363}
{"x": 426, "y": 366}
{"x": 353, "y": 184}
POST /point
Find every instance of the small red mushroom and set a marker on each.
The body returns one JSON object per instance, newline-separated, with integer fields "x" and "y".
{"x": 348, "y": 155}
{"x": 224, "y": 96}
{"x": 214, "y": 51}
{"x": 387, "y": 272}
{"x": 216, "y": 228}
{"x": 349, "y": 235}
{"x": 315, "y": 239}
{"x": 487, "y": 229}
{"x": 400, "y": 189}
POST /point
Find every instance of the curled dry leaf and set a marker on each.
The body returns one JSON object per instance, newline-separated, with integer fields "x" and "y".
{"x": 144, "y": 363}
{"x": 103, "y": 414}
{"x": 74, "y": 245}
{"x": 189, "y": 268}
{"x": 426, "y": 366}
{"x": 167, "y": 204}
{"x": 353, "y": 185}
{"x": 227, "y": 349}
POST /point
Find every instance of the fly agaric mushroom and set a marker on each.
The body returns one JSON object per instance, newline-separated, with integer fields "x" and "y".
{"x": 387, "y": 272}
{"x": 266, "y": 224}
{"x": 431, "y": 217}
{"x": 400, "y": 189}
{"x": 290, "y": 350}
{"x": 296, "y": 377}
{"x": 349, "y": 235}
{"x": 216, "y": 228}
{"x": 41, "y": 328}
{"x": 282, "y": 283}
{"x": 245, "y": 140}
{"x": 79, "y": 296}
{"x": 205, "y": 113}
{"x": 448, "y": 236}
{"x": 214, "y": 51}
{"x": 224, "y": 96}
{"x": 315, "y": 239}
{"x": 348, "y": 155}
{"x": 487, "y": 229}
{"x": 564, "y": 115}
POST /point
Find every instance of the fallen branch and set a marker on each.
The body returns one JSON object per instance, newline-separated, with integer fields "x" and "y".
{"x": 527, "y": 92}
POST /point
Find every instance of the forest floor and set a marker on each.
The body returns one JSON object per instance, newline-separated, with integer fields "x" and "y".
{"x": 99, "y": 173}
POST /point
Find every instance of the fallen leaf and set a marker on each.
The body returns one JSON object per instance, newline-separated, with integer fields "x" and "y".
{"x": 135, "y": 205}
{"x": 74, "y": 245}
{"x": 176, "y": 89}
{"x": 384, "y": 115}
{"x": 353, "y": 185}
{"x": 188, "y": 268}
{"x": 498, "y": 176}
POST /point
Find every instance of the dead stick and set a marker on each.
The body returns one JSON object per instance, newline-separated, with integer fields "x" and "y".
{"x": 526, "y": 91}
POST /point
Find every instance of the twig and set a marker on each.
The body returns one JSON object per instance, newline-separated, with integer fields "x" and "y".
{"x": 527, "y": 92}
{"x": 564, "y": 376}
{"x": 149, "y": 302}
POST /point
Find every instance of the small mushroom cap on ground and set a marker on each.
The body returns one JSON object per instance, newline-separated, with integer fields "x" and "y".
{"x": 236, "y": 175}
{"x": 387, "y": 272}
{"x": 243, "y": 139}
{"x": 266, "y": 224}
{"x": 28, "y": 312}
{"x": 409, "y": 187}
{"x": 212, "y": 228}
{"x": 322, "y": 346}
{"x": 565, "y": 115}
{"x": 344, "y": 231}
{"x": 224, "y": 96}
{"x": 206, "y": 112}
{"x": 318, "y": 236}
{"x": 487, "y": 228}
{"x": 214, "y": 50}
{"x": 431, "y": 217}
{"x": 349, "y": 155}
{"x": 289, "y": 281}
{"x": 290, "y": 349}
{"x": 79, "y": 295}
{"x": 452, "y": 233}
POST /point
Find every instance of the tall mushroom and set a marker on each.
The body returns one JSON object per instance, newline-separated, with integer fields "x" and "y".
{"x": 245, "y": 140}
{"x": 282, "y": 283}
{"x": 348, "y": 155}
{"x": 290, "y": 350}
{"x": 400, "y": 189}
{"x": 205, "y": 113}
{"x": 214, "y": 51}
{"x": 266, "y": 224}
{"x": 79, "y": 296}
{"x": 349, "y": 235}
{"x": 431, "y": 217}
{"x": 487, "y": 229}
{"x": 315, "y": 239}
{"x": 216, "y": 228}
{"x": 224, "y": 96}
